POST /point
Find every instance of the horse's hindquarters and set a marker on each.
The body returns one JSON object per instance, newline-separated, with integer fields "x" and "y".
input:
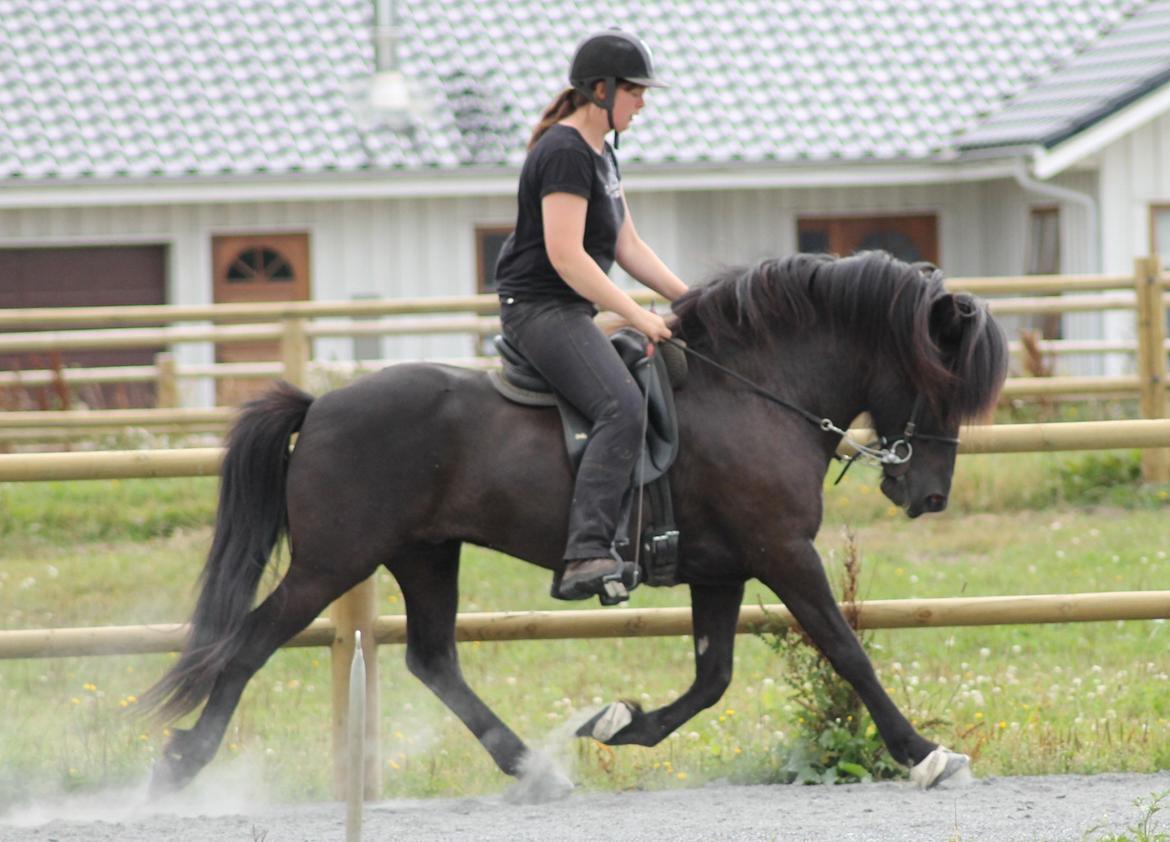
{"x": 427, "y": 453}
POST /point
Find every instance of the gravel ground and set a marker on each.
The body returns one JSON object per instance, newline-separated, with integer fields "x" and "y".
{"x": 1068, "y": 807}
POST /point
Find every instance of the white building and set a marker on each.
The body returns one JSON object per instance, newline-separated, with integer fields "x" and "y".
{"x": 190, "y": 151}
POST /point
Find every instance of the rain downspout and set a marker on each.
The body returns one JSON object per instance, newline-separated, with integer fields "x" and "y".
{"x": 1065, "y": 194}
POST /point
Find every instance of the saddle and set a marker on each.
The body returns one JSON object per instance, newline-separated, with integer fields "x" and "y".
{"x": 657, "y": 375}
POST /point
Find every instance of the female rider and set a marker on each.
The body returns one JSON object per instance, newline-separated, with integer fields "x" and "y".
{"x": 572, "y": 223}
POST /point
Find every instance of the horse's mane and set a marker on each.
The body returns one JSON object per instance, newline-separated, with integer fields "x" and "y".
{"x": 948, "y": 346}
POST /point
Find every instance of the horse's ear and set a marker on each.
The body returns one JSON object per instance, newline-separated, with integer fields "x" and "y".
{"x": 947, "y": 315}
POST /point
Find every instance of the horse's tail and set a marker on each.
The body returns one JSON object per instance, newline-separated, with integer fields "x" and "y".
{"x": 251, "y": 518}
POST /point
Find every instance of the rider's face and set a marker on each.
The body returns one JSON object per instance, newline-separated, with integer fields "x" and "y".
{"x": 627, "y": 104}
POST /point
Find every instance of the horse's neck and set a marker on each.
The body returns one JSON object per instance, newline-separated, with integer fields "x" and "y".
{"x": 818, "y": 373}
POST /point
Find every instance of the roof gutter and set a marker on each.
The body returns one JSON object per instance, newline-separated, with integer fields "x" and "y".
{"x": 1064, "y": 194}
{"x": 489, "y": 181}
{"x": 1089, "y": 140}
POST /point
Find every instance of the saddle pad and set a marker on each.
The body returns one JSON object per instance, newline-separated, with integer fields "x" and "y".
{"x": 518, "y": 394}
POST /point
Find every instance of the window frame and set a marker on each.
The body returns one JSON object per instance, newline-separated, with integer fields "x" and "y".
{"x": 481, "y": 232}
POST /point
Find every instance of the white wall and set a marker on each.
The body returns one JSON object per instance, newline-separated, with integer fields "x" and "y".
{"x": 696, "y": 232}
{"x": 1135, "y": 174}
{"x": 421, "y": 247}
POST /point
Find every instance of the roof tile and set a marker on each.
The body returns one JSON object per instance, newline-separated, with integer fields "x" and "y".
{"x": 181, "y": 88}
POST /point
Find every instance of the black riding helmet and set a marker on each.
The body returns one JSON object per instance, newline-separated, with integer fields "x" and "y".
{"x": 611, "y": 56}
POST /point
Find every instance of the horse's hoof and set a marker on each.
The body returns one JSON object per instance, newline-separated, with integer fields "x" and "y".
{"x": 175, "y": 767}
{"x": 163, "y": 781}
{"x": 614, "y": 718}
{"x": 940, "y": 765}
{"x": 539, "y": 781}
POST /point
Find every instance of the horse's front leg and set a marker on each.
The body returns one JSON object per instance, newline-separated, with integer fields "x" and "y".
{"x": 714, "y": 613}
{"x": 798, "y": 578}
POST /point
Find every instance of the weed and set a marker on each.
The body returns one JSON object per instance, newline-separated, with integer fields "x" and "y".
{"x": 1143, "y": 829}
{"x": 836, "y": 741}
{"x": 1095, "y": 476}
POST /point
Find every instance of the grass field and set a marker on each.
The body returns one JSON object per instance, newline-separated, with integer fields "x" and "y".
{"x": 1034, "y": 699}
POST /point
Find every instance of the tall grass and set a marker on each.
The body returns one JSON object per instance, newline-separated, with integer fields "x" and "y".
{"x": 1024, "y": 699}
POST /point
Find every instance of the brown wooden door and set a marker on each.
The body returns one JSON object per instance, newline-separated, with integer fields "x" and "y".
{"x": 249, "y": 269}
{"x": 909, "y": 238}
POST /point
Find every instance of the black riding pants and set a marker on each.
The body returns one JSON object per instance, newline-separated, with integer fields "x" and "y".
{"x": 562, "y": 342}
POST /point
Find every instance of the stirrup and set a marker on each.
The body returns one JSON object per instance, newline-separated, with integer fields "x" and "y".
{"x": 610, "y": 588}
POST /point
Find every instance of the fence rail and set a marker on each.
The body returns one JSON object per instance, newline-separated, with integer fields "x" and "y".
{"x": 205, "y": 461}
{"x": 94, "y": 328}
{"x": 626, "y": 622}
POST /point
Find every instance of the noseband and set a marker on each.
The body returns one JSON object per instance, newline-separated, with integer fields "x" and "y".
{"x": 882, "y": 453}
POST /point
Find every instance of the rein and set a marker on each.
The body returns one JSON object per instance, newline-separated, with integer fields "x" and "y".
{"x": 898, "y": 452}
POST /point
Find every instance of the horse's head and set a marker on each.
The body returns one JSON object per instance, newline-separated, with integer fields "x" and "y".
{"x": 926, "y": 359}
{"x": 960, "y": 365}
{"x": 922, "y": 449}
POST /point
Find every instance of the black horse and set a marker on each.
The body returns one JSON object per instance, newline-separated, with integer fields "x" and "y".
{"x": 402, "y": 467}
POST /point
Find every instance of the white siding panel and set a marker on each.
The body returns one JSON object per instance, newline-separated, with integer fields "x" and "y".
{"x": 419, "y": 247}
{"x": 1135, "y": 173}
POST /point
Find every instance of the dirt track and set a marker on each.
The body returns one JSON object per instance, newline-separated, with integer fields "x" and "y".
{"x": 1039, "y": 808}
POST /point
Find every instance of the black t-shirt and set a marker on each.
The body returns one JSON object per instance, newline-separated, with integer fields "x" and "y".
{"x": 562, "y": 161}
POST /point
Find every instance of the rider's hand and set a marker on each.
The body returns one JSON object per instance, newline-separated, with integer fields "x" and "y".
{"x": 653, "y": 325}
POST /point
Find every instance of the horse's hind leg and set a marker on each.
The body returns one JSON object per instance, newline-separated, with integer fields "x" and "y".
{"x": 715, "y": 612}
{"x": 297, "y": 600}
{"x": 428, "y": 576}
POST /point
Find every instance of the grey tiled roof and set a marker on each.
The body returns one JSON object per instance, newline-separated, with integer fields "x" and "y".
{"x": 1126, "y": 63}
{"x": 197, "y": 88}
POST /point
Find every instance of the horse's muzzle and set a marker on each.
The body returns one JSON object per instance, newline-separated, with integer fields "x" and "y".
{"x": 935, "y": 502}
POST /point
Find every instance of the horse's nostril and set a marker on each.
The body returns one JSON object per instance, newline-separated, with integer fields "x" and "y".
{"x": 936, "y": 502}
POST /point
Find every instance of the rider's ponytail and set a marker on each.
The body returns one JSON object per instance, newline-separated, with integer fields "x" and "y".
{"x": 565, "y": 104}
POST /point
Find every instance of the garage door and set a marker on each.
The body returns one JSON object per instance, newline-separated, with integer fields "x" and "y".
{"x": 82, "y": 276}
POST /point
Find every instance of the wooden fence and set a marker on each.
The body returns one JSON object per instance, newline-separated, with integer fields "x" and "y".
{"x": 291, "y": 324}
{"x": 295, "y": 325}
{"x": 358, "y": 609}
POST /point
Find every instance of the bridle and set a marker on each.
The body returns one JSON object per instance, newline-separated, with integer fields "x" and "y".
{"x": 893, "y": 454}
{"x": 882, "y": 453}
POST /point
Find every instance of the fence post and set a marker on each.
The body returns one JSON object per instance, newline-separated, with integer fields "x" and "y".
{"x": 1151, "y": 323}
{"x": 294, "y": 351}
{"x": 355, "y": 611}
{"x": 167, "y": 385}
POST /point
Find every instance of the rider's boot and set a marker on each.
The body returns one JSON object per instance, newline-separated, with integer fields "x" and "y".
{"x": 608, "y": 578}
